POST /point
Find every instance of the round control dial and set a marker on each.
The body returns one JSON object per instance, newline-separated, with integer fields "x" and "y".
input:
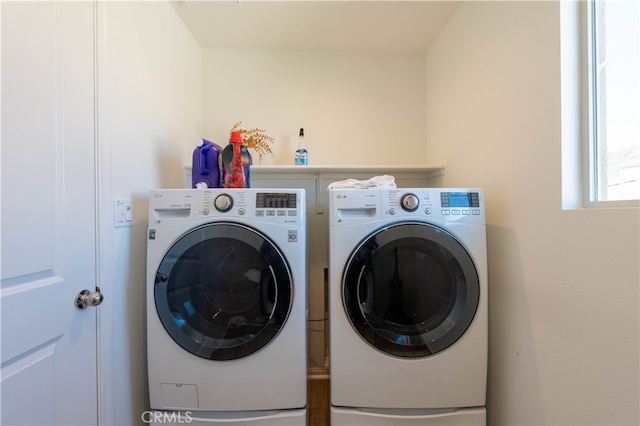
{"x": 223, "y": 203}
{"x": 409, "y": 202}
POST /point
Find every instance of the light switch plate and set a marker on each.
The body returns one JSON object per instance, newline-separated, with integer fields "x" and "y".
{"x": 122, "y": 213}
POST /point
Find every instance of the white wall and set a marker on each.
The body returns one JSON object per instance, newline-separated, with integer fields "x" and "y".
{"x": 356, "y": 108}
{"x": 151, "y": 114}
{"x": 564, "y": 320}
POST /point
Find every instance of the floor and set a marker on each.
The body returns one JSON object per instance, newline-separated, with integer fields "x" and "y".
{"x": 318, "y": 404}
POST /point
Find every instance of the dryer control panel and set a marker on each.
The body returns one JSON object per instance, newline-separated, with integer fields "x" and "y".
{"x": 450, "y": 204}
{"x": 353, "y": 205}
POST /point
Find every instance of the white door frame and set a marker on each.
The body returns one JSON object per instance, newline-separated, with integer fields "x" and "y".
{"x": 106, "y": 387}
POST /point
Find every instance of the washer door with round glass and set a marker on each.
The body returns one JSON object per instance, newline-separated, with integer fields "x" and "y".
{"x": 223, "y": 291}
{"x": 410, "y": 289}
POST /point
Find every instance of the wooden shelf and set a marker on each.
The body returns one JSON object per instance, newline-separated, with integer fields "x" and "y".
{"x": 419, "y": 175}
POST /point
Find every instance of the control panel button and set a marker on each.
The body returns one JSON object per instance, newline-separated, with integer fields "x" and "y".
{"x": 409, "y": 202}
{"x": 427, "y": 210}
{"x": 392, "y": 211}
{"x": 241, "y": 211}
{"x": 223, "y": 203}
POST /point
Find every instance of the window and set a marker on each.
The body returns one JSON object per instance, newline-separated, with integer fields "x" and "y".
{"x": 612, "y": 88}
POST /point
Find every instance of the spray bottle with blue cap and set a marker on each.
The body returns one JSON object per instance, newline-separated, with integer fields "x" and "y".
{"x": 302, "y": 154}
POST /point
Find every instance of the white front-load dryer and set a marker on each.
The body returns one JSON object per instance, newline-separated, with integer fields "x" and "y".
{"x": 408, "y": 306}
{"x": 226, "y": 306}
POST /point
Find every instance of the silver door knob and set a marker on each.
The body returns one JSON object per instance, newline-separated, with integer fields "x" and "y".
{"x": 89, "y": 298}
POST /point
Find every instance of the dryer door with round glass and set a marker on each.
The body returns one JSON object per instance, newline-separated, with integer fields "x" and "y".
{"x": 410, "y": 289}
{"x": 223, "y": 291}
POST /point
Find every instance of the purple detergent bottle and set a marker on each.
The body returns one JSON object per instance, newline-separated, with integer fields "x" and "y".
{"x": 205, "y": 168}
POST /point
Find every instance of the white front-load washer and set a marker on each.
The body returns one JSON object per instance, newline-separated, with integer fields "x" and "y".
{"x": 226, "y": 306}
{"x": 408, "y": 306}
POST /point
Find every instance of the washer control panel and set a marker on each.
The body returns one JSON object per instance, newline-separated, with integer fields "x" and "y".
{"x": 272, "y": 205}
{"x": 254, "y": 203}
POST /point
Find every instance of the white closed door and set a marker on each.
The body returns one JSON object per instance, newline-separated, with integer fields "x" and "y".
{"x": 49, "y": 367}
